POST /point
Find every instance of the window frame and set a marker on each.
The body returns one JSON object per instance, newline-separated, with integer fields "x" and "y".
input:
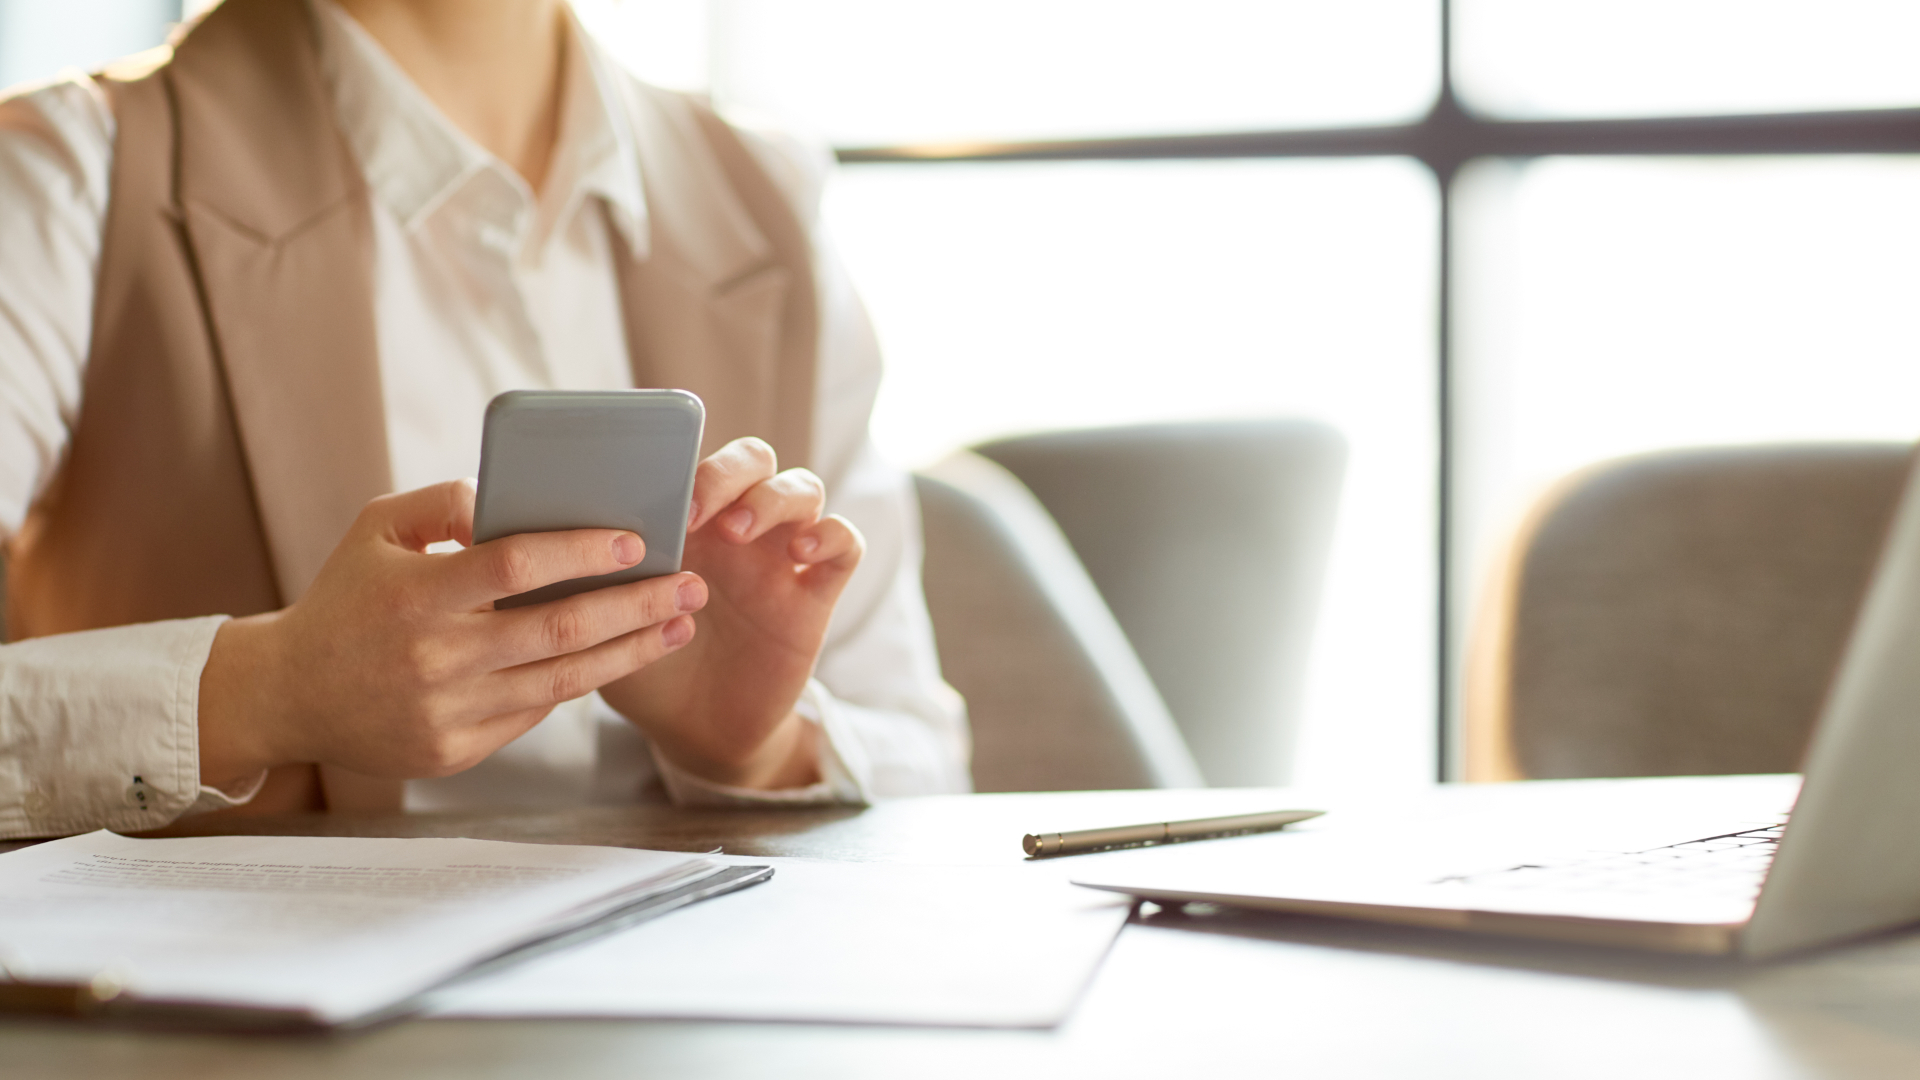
{"x": 1445, "y": 139}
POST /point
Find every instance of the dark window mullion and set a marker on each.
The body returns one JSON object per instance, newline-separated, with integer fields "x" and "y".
{"x": 1449, "y": 133}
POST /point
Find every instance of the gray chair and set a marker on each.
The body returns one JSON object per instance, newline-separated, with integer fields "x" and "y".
{"x": 1679, "y": 613}
{"x": 1056, "y": 697}
{"x": 1208, "y": 541}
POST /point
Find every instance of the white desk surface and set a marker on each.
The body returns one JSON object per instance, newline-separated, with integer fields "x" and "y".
{"x": 1227, "y": 994}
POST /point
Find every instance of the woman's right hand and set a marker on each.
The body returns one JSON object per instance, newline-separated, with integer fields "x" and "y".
{"x": 395, "y": 663}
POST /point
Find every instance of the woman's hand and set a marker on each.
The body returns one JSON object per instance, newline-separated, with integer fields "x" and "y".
{"x": 723, "y": 707}
{"x": 395, "y": 663}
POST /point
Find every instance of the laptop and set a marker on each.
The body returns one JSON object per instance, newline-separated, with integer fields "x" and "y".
{"x": 1747, "y": 866}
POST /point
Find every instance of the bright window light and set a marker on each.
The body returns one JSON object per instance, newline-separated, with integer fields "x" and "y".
{"x": 665, "y": 42}
{"x": 1544, "y": 58}
{"x": 1028, "y": 297}
{"x": 863, "y": 72}
{"x": 40, "y": 38}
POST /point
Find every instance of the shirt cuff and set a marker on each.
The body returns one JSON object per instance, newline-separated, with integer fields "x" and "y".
{"x": 837, "y": 785}
{"x": 101, "y": 729}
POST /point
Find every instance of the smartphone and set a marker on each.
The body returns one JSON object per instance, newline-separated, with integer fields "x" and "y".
{"x": 552, "y": 460}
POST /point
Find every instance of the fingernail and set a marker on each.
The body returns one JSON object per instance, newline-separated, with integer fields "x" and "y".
{"x": 628, "y": 549}
{"x": 808, "y": 545}
{"x": 739, "y": 520}
{"x": 690, "y": 596}
{"x": 677, "y": 633}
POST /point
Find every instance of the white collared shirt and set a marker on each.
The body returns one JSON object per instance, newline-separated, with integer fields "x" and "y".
{"x": 481, "y": 285}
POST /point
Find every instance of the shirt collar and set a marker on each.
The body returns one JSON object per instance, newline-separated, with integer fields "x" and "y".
{"x": 415, "y": 159}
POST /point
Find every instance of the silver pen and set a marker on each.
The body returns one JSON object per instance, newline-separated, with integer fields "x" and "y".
{"x": 1045, "y": 845}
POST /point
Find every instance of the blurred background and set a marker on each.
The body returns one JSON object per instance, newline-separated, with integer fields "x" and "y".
{"x": 1489, "y": 242}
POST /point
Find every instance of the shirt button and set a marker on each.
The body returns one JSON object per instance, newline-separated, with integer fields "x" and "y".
{"x": 139, "y": 795}
{"x": 36, "y": 804}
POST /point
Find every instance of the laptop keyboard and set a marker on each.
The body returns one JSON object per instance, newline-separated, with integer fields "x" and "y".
{"x": 1731, "y": 864}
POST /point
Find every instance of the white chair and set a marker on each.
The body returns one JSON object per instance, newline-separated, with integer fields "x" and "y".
{"x": 1209, "y": 542}
{"x": 1055, "y": 695}
{"x": 1678, "y": 613}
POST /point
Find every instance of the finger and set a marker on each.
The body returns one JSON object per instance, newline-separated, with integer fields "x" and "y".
{"x": 727, "y": 474}
{"x": 831, "y": 539}
{"x": 792, "y": 497}
{"x": 511, "y": 565}
{"x": 548, "y": 682}
{"x": 428, "y": 515}
{"x": 825, "y": 578}
{"x": 522, "y": 635}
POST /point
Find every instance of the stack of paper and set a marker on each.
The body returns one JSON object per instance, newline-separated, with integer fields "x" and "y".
{"x": 323, "y": 930}
{"x": 318, "y": 930}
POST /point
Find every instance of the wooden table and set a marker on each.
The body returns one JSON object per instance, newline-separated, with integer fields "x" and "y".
{"x": 1180, "y": 996}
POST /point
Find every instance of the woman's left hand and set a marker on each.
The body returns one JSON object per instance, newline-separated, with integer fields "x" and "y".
{"x": 722, "y": 707}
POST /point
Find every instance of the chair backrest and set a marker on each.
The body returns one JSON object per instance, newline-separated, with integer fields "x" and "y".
{"x": 1055, "y": 696}
{"x": 1209, "y": 542}
{"x": 1680, "y": 613}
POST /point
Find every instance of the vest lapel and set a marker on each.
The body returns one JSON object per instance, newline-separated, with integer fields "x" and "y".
{"x": 279, "y": 222}
{"x": 278, "y": 219}
{"x": 722, "y": 304}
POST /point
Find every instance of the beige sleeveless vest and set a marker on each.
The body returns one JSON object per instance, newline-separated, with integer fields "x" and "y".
{"x": 232, "y": 426}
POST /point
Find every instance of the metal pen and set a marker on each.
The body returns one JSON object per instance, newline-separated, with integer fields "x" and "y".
{"x": 1046, "y": 845}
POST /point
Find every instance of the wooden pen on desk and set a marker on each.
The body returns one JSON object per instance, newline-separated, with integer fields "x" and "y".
{"x": 1045, "y": 845}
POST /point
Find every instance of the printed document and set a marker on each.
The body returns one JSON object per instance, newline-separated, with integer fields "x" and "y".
{"x": 327, "y": 928}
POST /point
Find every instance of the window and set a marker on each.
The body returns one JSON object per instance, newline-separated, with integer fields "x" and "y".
{"x": 1038, "y": 295}
{"x": 1595, "y": 58}
{"x": 877, "y": 72}
{"x": 38, "y": 38}
{"x": 1647, "y": 233}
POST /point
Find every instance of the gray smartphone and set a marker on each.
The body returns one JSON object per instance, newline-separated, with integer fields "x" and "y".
{"x": 552, "y": 460}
